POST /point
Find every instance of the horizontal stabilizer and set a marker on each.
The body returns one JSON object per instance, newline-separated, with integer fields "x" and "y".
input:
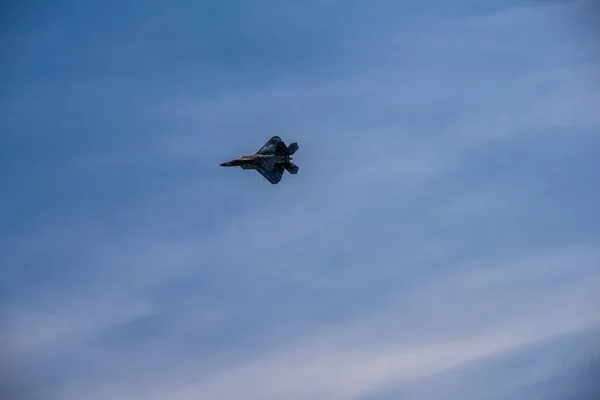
{"x": 292, "y": 168}
{"x": 292, "y": 148}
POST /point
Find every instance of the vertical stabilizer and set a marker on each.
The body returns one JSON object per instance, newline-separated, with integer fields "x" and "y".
{"x": 292, "y": 147}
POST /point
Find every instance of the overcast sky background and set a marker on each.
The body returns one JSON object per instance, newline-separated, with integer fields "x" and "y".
{"x": 440, "y": 240}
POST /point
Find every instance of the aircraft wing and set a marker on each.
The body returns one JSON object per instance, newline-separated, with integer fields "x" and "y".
{"x": 273, "y": 175}
{"x": 274, "y": 146}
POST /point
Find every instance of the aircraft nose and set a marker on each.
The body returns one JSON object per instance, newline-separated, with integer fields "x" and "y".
{"x": 231, "y": 163}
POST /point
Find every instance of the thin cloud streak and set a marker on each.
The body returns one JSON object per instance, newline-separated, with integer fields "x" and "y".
{"x": 343, "y": 362}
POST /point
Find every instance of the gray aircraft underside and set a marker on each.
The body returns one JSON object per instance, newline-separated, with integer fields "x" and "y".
{"x": 270, "y": 161}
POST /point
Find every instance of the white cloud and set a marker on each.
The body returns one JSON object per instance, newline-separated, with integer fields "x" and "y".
{"x": 333, "y": 373}
{"x": 59, "y": 325}
{"x": 436, "y": 324}
{"x": 374, "y": 353}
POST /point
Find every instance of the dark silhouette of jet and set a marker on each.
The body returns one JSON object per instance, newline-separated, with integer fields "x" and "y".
{"x": 270, "y": 161}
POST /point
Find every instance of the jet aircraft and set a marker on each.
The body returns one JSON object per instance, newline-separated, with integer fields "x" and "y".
{"x": 270, "y": 161}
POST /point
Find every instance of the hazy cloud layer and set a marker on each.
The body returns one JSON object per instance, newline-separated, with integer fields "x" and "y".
{"x": 442, "y": 230}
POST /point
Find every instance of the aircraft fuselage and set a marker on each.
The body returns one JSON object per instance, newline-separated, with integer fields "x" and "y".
{"x": 254, "y": 161}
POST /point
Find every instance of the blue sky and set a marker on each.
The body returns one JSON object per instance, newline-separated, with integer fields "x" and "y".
{"x": 439, "y": 242}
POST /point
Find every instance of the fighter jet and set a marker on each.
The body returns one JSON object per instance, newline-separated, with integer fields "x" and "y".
{"x": 270, "y": 160}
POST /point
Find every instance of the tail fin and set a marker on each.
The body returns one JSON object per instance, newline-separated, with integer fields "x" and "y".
{"x": 292, "y": 168}
{"x": 292, "y": 147}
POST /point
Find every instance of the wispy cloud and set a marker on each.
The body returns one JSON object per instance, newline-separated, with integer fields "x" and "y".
{"x": 392, "y": 347}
